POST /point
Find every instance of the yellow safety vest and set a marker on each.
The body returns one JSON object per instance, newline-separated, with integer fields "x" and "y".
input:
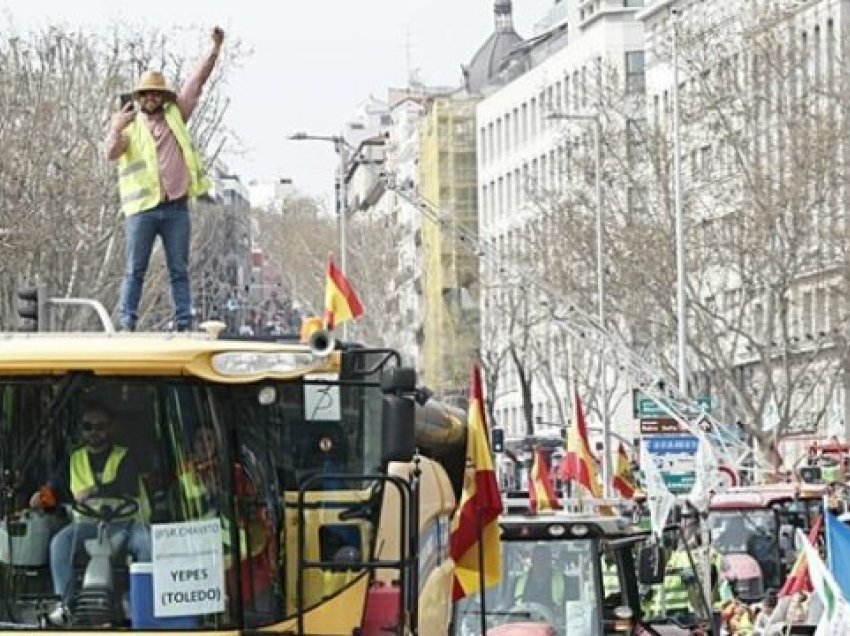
{"x": 138, "y": 168}
{"x": 673, "y": 597}
{"x": 196, "y": 505}
{"x": 610, "y": 579}
{"x": 82, "y": 477}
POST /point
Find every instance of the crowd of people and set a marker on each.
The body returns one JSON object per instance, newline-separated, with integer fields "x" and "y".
{"x": 771, "y": 617}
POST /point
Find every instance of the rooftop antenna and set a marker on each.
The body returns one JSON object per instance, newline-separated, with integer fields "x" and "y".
{"x": 407, "y": 52}
{"x": 412, "y": 71}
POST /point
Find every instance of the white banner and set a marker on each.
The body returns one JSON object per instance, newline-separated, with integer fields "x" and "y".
{"x": 707, "y": 475}
{"x": 188, "y": 568}
{"x": 658, "y": 497}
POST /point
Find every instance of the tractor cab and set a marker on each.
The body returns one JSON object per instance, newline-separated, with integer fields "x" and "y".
{"x": 753, "y": 528}
{"x": 826, "y": 462}
{"x": 571, "y": 573}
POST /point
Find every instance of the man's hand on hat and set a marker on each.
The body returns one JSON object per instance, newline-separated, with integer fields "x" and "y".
{"x": 217, "y": 37}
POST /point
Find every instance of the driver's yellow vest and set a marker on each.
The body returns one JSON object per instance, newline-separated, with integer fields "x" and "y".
{"x": 83, "y": 478}
{"x": 139, "y": 183}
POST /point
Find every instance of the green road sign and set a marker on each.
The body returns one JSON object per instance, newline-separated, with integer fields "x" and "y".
{"x": 679, "y": 483}
{"x": 645, "y": 408}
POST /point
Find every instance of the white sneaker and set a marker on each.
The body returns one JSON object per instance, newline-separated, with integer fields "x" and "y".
{"x": 59, "y": 615}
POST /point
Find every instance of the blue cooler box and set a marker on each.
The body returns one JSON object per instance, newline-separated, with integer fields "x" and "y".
{"x": 141, "y": 602}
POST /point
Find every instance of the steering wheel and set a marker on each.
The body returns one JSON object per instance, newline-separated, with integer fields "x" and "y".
{"x": 127, "y": 507}
{"x": 535, "y": 612}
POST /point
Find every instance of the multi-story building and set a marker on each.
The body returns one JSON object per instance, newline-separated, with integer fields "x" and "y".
{"x": 448, "y": 194}
{"x": 447, "y": 190}
{"x": 521, "y": 152}
{"x": 763, "y": 159}
{"x": 406, "y": 290}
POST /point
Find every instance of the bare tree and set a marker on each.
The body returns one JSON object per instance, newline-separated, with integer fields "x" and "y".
{"x": 300, "y": 238}
{"x": 763, "y": 138}
{"x": 60, "y": 220}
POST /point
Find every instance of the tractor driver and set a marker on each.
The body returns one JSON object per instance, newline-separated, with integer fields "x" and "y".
{"x": 541, "y": 582}
{"x": 97, "y": 474}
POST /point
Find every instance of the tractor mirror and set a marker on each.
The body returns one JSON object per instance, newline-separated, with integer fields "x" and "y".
{"x": 651, "y": 564}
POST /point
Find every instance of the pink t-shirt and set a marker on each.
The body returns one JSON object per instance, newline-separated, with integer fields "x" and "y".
{"x": 173, "y": 175}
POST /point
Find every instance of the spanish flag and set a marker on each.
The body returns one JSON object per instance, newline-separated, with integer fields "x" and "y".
{"x": 341, "y": 301}
{"x": 799, "y": 579}
{"x": 579, "y": 464}
{"x": 475, "y": 526}
{"x": 541, "y": 494}
{"x": 623, "y": 481}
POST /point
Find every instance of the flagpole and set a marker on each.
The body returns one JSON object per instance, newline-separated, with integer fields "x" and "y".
{"x": 572, "y": 397}
{"x": 481, "y": 577}
{"x": 826, "y": 533}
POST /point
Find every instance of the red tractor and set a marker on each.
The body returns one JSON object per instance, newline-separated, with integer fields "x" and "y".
{"x": 753, "y": 528}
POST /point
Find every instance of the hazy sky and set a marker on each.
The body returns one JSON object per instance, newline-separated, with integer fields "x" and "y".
{"x": 313, "y": 61}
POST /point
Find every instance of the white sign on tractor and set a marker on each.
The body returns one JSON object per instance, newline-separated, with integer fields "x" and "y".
{"x": 188, "y": 568}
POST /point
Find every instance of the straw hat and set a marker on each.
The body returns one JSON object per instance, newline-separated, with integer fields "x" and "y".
{"x": 153, "y": 81}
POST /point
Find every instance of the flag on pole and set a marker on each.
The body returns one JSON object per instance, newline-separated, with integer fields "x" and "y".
{"x": 474, "y": 542}
{"x": 579, "y": 464}
{"x": 838, "y": 552}
{"x": 341, "y": 301}
{"x": 541, "y": 494}
{"x": 835, "y": 609}
{"x": 798, "y": 579}
{"x": 624, "y": 479}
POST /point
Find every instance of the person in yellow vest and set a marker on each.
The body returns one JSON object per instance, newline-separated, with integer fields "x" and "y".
{"x": 540, "y": 583}
{"x": 672, "y": 598}
{"x": 100, "y": 473}
{"x": 201, "y": 479}
{"x": 159, "y": 169}
{"x": 203, "y": 496}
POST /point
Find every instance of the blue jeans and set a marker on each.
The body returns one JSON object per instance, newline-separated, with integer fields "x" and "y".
{"x": 170, "y": 221}
{"x": 70, "y": 540}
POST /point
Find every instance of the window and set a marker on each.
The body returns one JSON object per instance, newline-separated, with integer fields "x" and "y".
{"x": 584, "y": 87}
{"x": 705, "y": 159}
{"x": 524, "y": 123}
{"x": 482, "y": 136}
{"x": 636, "y": 141}
{"x": 633, "y": 3}
{"x": 543, "y": 182}
{"x": 491, "y": 151}
{"x": 637, "y": 201}
{"x": 806, "y": 323}
{"x": 575, "y": 90}
{"x": 533, "y": 118}
{"x": 635, "y": 72}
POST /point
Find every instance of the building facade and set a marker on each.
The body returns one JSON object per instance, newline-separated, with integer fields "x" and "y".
{"x": 447, "y": 192}
{"x": 763, "y": 158}
{"x": 523, "y": 140}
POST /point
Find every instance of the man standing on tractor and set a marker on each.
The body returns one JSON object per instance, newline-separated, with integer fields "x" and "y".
{"x": 159, "y": 169}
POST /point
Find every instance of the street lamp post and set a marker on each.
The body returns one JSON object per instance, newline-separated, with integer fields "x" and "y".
{"x": 342, "y": 149}
{"x": 600, "y": 285}
{"x": 680, "y": 222}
